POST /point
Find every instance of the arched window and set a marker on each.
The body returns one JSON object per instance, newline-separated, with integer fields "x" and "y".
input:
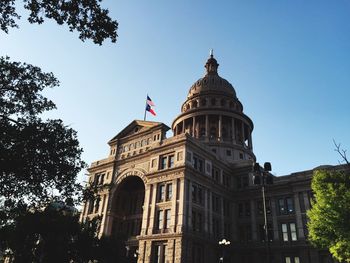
{"x": 203, "y": 102}
{"x": 213, "y": 101}
{"x": 195, "y": 104}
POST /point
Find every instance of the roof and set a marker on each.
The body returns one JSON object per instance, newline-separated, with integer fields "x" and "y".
{"x": 137, "y": 126}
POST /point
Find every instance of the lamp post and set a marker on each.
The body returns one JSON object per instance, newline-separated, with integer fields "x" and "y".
{"x": 223, "y": 243}
{"x": 263, "y": 177}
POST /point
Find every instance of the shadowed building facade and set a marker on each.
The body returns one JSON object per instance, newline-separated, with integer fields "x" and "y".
{"x": 173, "y": 199}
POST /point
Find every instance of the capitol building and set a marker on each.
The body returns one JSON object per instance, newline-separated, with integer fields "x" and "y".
{"x": 191, "y": 197}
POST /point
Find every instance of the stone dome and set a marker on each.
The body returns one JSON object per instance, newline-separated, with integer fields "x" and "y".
{"x": 213, "y": 115}
{"x": 212, "y": 82}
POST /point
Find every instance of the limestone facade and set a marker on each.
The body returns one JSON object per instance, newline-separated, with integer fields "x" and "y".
{"x": 172, "y": 199}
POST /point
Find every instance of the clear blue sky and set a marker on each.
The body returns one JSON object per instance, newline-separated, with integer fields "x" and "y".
{"x": 289, "y": 62}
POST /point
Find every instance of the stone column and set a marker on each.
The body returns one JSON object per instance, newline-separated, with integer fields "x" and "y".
{"x": 206, "y": 127}
{"x": 146, "y": 208}
{"x": 299, "y": 221}
{"x": 242, "y": 132}
{"x": 194, "y": 127}
{"x": 181, "y": 214}
{"x": 206, "y": 211}
{"x": 250, "y": 142}
{"x": 103, "y": 212}
{"x": 210, "y": 196}
{"x": 189, "y": 205}
{"x": 220, "y": 127}
{"x": 173, "y": 206}
{"x": 233, "y": 129}
{"x": 183, "y": 126}
{"x": 153, "y": 209}
{"x": 108, "y": 220}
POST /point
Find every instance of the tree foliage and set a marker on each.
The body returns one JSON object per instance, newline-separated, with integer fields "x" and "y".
{"x": 329, "y": 217}
{"x": 85, "y": 16}
{"x": 39, "y": 159}
{"x": 56, "y": 235}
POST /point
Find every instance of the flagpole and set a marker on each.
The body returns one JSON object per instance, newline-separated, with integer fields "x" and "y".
{"x": 144, "y": 116}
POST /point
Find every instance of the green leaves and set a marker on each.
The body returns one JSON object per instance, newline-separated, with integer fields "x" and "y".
{"x": 39, "y": 160}
{"x": 330, "y": 214}
{"x": 85, "y": 16}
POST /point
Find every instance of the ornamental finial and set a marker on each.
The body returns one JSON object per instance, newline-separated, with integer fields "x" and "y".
{"x": 211, "y": 53}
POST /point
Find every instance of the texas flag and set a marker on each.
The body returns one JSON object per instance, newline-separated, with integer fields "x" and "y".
{"x": 149, "y": 105}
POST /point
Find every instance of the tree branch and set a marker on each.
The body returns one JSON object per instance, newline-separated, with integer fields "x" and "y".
{"x": 10, "y": 119}
{"x": 341, "y": 152}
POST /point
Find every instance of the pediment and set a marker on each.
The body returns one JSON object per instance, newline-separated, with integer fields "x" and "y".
{"x": 136, "y": 127}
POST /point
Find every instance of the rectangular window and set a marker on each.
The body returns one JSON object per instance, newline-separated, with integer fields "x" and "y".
{"x": 165, "y": 192}
{"x": 171, "y": 161}
{"x": 159, "y": 253}
{"x": 285, "y": 206}
{"x": 281, "y": 206}
{"x": 289, "y": 232}
{"x": 198, "y": 163}
{"x": 167, "y": 219}
{"x": 166, "y": 161}
{"x": 160, "y": 219}
{"x": 102, "y": 179}
{"x": 208, "y": 167}
{"x": 293, "y": 231}
{"x": 169, "y": 191}
{"x": 161, "y": 192}
{"x": 197, "y": 222}
{"x": 163, "y": 163}
{"x": 285, "y": 232}
{"x": 290, "y": 206}
{"x": 291, "y": 259}
{"x": 197, "y": 194}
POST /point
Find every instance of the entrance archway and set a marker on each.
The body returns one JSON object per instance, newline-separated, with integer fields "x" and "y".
{"x": 127, "y": 210}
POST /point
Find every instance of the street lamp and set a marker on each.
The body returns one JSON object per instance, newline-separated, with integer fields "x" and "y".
{"x": 263, "y": 177}
{"x": 223, "y": 243}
